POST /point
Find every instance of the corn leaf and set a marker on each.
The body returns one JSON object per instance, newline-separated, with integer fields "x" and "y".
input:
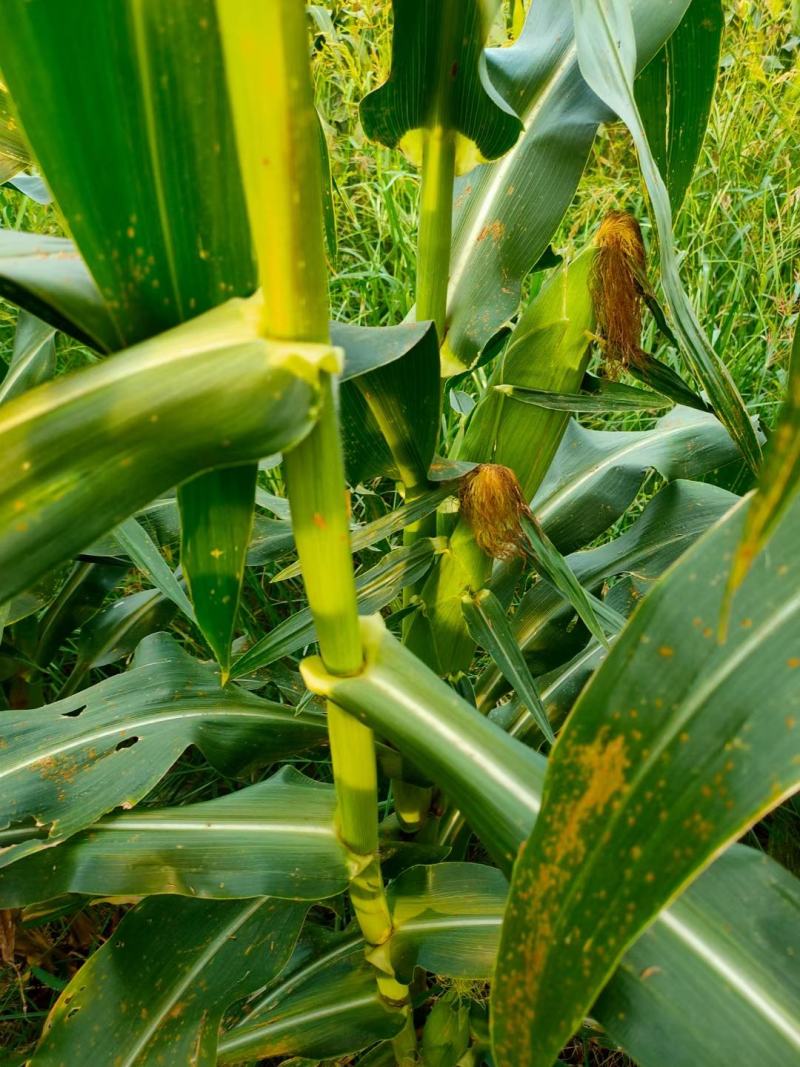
{"x": 176, "y": 965}
{"x": 72, "y": 761}
{"x": 491, "y": 630}
{"x": 778, "y": 482}
{"x": 327, "y": 1005}
{"x": 276, "y": 838}
{"x": 597, "y": 395}
{"x": 618, "y": 837}
{"x": 507, "y": 212}
{"x": 210, "y": 392}
{"x": 675, "y": 91}
{"x": 432, "y": 44}
{"x": 137, "y": 543}
{"x": 607, "y": 53}
{"x": 33, "y": 357}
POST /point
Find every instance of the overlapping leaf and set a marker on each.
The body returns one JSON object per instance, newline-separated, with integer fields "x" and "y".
{"x": 676, "y": 746}
{"x": 65, "y": 765}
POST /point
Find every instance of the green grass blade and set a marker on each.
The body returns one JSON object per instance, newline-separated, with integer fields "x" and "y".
{"x": 137, "y": 543}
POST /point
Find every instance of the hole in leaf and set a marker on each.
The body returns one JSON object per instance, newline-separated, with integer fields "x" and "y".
{"x": 126, "y": 742}
{"x": 73, "y": 714}
{"x": 72, "y": 1011}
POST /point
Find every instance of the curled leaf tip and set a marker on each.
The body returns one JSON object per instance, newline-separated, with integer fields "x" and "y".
{"x": 616, "y": 287}
{"x": 491, "y": 501}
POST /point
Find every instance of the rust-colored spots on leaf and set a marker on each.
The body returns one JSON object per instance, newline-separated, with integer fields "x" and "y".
{"x": 319, "y": 521}
{"x": 793, "y": 663}
{"x": 666, "y": 652}
{"x": 495, "y": 230}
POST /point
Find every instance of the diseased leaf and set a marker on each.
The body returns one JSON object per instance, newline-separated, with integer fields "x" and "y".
{"x": 67, "y": 764}
{"x": 157, "y": 990}
{"x": 676, "y": 746}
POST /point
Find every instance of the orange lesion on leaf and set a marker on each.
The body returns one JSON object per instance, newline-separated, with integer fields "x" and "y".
{"x": 495, "y": 230}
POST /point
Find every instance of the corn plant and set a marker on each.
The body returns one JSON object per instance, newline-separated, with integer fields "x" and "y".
{"x": 558, "y": 669}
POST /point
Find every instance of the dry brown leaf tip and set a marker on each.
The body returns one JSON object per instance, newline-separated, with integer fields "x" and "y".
{"x": 616, "y": 287}
{"x": 491, "y": 501}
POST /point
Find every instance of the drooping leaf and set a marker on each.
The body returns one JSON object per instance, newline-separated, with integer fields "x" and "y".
{"x": 376, "y": 588}
{"x": 507, "y": 212}
{"x": 71, "y": 762}
{"x": 328, "y": 1005}
{"x": 206, "y": 394}
{"x": 216, "y": 523}
{"x": 80, "y": 597}
{"x": 778, "y": 483}
{"x": 676, "y": 747}
{"x": 437, "y": 51}
{"x": 33, "y": 357}
{"x": 276, "y": 838}
{"x": 675, "y": 91}
{"x": 597, "y": 473}
{"x": 447, "y": 920}
{"x": 157, "y": 990}
{"x": 389, "y": 400}
{"x": 672, "y": 521}
{"x": 115, "y": 631}
{"x": 597, "y": 395}
{"x": 487, "y": 623}
{"x": 607, "y": 53}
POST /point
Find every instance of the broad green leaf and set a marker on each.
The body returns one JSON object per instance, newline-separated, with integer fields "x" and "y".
{"x": 447, "y": 920}
{"x": 671, "y": 522}
{"x": 208, "y": 393}
{"x": 778, "y": 483}
{"x": 661, "y": 377}
{"x": 495, "y": 780}
{"x": 156, "y": 991}
{"x": 676, "y": 746}
{"x": 328, "y": 1005}
{"x": 488, "y": 625}
{"x": 137, "y": 543}
{"x": 276, "y": 838}
{"x": 675, "y": 91}
{"x": 71, "y": 762}
{"x": 389, "y": 400}
{"x": 216, "y": 523}
{"x": 596, "y": 474}
{"x": 376, "y": 588}
{"x": 420, "y": 720}
{"x": 597, "y": 395}
{"x": 607, "y": 53}
{"x": 507, "y": 212}
{"x": 141, "y": 161}
{"x": 732, "y": 998}
{"x": 439, "y": 74}
{"x": 46, "y": 276}
{"x": 33, "y": 357}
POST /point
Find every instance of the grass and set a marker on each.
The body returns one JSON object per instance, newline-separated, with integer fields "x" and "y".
{"x": 738, "y": 231}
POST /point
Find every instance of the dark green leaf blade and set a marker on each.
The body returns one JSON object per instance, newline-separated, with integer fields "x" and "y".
{"x": 217, "y": 512}
{"x": 674, "y": 749}
{"x": 175, "y": 965}
{"x": 276, "y": 838}
{"x": 68, "y": 764}
{"x": 675, "y": 91}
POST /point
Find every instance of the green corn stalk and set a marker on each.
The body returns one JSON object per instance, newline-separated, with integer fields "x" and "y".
{"x": 266, "y": 50}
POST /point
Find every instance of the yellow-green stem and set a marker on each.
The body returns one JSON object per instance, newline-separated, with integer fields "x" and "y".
{"x": 266, "y": 48}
